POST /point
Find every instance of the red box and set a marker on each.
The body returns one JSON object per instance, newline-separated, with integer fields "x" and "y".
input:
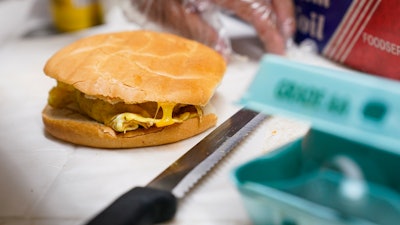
{"x": 364, "y": 35}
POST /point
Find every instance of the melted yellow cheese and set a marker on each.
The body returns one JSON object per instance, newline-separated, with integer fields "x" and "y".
{"x": 167, "y": 110}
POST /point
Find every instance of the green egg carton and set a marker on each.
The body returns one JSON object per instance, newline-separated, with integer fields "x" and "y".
{"x": 346, "y": 169}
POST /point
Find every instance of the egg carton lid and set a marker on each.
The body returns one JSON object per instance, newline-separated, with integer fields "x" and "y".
{"x": 357, "y": 106}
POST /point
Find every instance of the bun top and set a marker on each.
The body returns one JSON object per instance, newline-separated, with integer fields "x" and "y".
{"x": 139, "y": 66}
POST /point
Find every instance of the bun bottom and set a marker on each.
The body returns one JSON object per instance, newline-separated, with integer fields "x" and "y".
{"x": 75, "y": 128}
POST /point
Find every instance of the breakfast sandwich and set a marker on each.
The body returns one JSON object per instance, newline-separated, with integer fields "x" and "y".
{"x": 131, "y": 89}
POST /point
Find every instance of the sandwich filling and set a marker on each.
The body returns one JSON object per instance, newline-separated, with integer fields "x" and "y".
{"x": 118, "y": 115}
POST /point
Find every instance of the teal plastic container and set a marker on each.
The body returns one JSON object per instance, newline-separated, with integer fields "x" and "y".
{"x": 346, "y": 169}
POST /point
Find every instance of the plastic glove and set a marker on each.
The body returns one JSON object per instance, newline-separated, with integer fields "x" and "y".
{"x": 198, "y": 19}
{"x": 194, "y": 19}
{"x": 272, "y": 19}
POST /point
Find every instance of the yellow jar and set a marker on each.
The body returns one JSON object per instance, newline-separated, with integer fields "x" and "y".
{"x": 73, "y": 15}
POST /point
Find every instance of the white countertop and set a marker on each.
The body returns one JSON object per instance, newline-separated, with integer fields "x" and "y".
{"x": 45, "y": 181}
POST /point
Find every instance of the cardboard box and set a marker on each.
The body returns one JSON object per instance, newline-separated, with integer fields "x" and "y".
{"x": 364, "y": 35}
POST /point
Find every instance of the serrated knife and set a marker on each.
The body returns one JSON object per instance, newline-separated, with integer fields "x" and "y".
{"x": 158, "y": 201}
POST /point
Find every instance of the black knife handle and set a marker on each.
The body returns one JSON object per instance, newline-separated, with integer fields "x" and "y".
{"x": 139, "y": 206}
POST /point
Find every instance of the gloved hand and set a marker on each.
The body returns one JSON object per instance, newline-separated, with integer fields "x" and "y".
{"x": 194, "y": 19}
{"x": 272, "y": 19}
{"x": 197, "y": 19}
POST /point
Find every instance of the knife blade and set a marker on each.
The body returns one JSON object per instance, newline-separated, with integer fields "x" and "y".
{"x": 158, "y": 201}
